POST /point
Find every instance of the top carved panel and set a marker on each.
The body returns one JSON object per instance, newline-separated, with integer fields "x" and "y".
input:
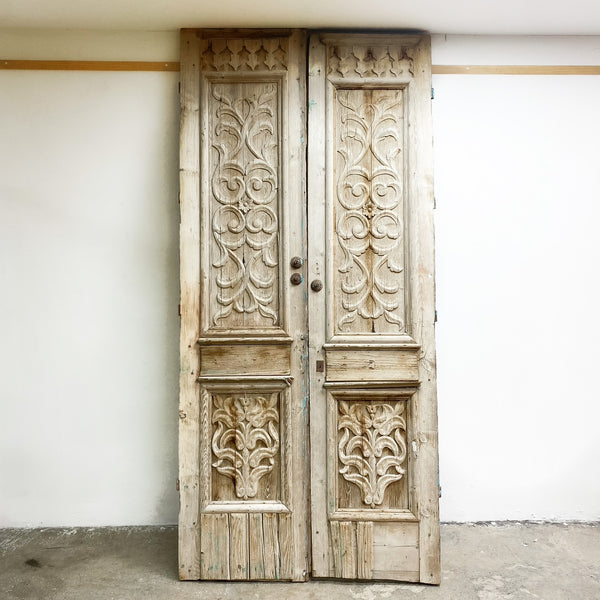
{"x": 267, "y": 54}
{"x": 369, "y": 61}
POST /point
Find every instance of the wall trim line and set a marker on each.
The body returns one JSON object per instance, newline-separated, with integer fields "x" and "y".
{"x": 515, "y": 70}
{"x": 136, "y": 65}
{"x": 87, "y": 65}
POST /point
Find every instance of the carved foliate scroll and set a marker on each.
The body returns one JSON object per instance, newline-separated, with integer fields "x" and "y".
{"x": 245, "y": 441}
{"x": 368, "y": 61}
{"x": 267, "y": 54}
{"x": 369, "y": 206}
{"x": 371, "y": 446}
{"x": 245, "y": 205}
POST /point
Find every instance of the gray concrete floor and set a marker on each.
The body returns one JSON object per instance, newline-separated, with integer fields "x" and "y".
{"x": 483, "y": 562}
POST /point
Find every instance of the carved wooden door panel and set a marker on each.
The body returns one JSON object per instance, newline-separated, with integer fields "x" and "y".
{"x": 244, "y": 411}
{"x": 272, "y": 330}
{"x": 372, "y": 356}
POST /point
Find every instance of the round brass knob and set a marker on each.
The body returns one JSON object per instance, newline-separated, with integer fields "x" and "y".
{"x": 296, "y": 262}
{"x": 296, "y": 279}
{"x": 316, "y": 285}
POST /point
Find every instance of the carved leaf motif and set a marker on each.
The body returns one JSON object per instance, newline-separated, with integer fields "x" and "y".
{"x": 372, "y": 446}
{"x": 244, "y": 184}
{"x": 369, "y": 193}
{"x": 245, "y": 439}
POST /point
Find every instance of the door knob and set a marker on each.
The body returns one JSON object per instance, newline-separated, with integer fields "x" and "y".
{"x": 296, "y": 262}
{"x": 316, "y": 285}
{"x": 296, "y": 279}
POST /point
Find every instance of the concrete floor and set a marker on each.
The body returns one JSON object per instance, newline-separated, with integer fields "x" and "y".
{"x": 483, "y": 562}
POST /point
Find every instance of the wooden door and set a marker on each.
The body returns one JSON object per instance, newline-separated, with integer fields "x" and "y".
{"x": 372, "y": 357}
{"x": 244, "y": 400}
{"x": 271, "y": 331}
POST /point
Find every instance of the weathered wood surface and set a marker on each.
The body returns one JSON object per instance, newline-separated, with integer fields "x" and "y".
{"x": 189, "y": 392}
{"x": 247, "y": 100}
{"x": 371, "y": 241}
{"x": 369, "y": 379}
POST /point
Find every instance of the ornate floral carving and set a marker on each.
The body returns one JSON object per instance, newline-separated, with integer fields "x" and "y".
{"x": 369, "y": 192}
{"x": 268, "y": 54}
{"x": 372, "y": 446}
{"x": 245, "y": 187}
{"x": 369, "y": 61}
{"x": 245, "y": 439}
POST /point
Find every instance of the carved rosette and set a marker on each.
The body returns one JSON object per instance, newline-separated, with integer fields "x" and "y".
{"x": 245, "y": 439}
{"x": 244, "y": 187}
{"x": 371, "y": 446}
{"x": 369, "y": 61}
{"x": 267, "y": 54}
{"x": 369, "y": 209}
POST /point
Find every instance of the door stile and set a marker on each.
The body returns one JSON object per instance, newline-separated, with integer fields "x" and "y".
{"x": 318, "y": 166}
{"x": 421, "y": 210}
{"x": 189, "y": 240}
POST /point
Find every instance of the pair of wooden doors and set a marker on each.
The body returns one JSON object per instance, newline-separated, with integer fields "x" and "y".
{"x": 308, "y": 428}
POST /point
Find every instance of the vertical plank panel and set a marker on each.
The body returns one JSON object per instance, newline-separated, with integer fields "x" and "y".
{"x": 286, "y": 545}
{"x": 348, "y": 549}
{"x": 257, "y": 546}
{"x": 364, "y": 550}
{"x": 336, "y": 548}
{"x": 214, "y": 562}
{"x": 238, "y": 546}
{"x": 189, "y": 236}
{"x": 271, "y": 546}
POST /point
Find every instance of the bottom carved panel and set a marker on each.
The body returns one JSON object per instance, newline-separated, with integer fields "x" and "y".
{"x": 371, "y": 451}
{"x": 246, "y": 445}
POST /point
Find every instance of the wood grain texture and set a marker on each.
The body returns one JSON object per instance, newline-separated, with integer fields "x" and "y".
{"x": 248, "y": 142}
{"x": 257, "y": 547}
{"x": 214, "y": 563}
{"x": 236, "y": 359}
{"x": 317, "y": 307}
{"x": 271, "y": 553}
{"x": 189, "y": 391}
{"x": 424, "y": 402}
{"x": 372, "y": 132}
{"x": 347, "y": 543}
{"x": 238, "y": 546}
{"x": 364, "y": 550}
{"x": 372, "y": 365}
{"x": 286, "y": 546}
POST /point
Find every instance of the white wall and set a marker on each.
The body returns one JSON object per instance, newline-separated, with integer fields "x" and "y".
{"x": 89, "y": 272}
{"x": 517, "y": 184}
{"x": 88, "y": 309}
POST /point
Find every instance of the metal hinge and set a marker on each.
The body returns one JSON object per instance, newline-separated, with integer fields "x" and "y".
{"x": 432, "y": 94}
{"x": 440, "y": 490}
{"x": 179, "y": 309}
{"x": 435, "y": 317}
{"x": 177, "y": 485}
